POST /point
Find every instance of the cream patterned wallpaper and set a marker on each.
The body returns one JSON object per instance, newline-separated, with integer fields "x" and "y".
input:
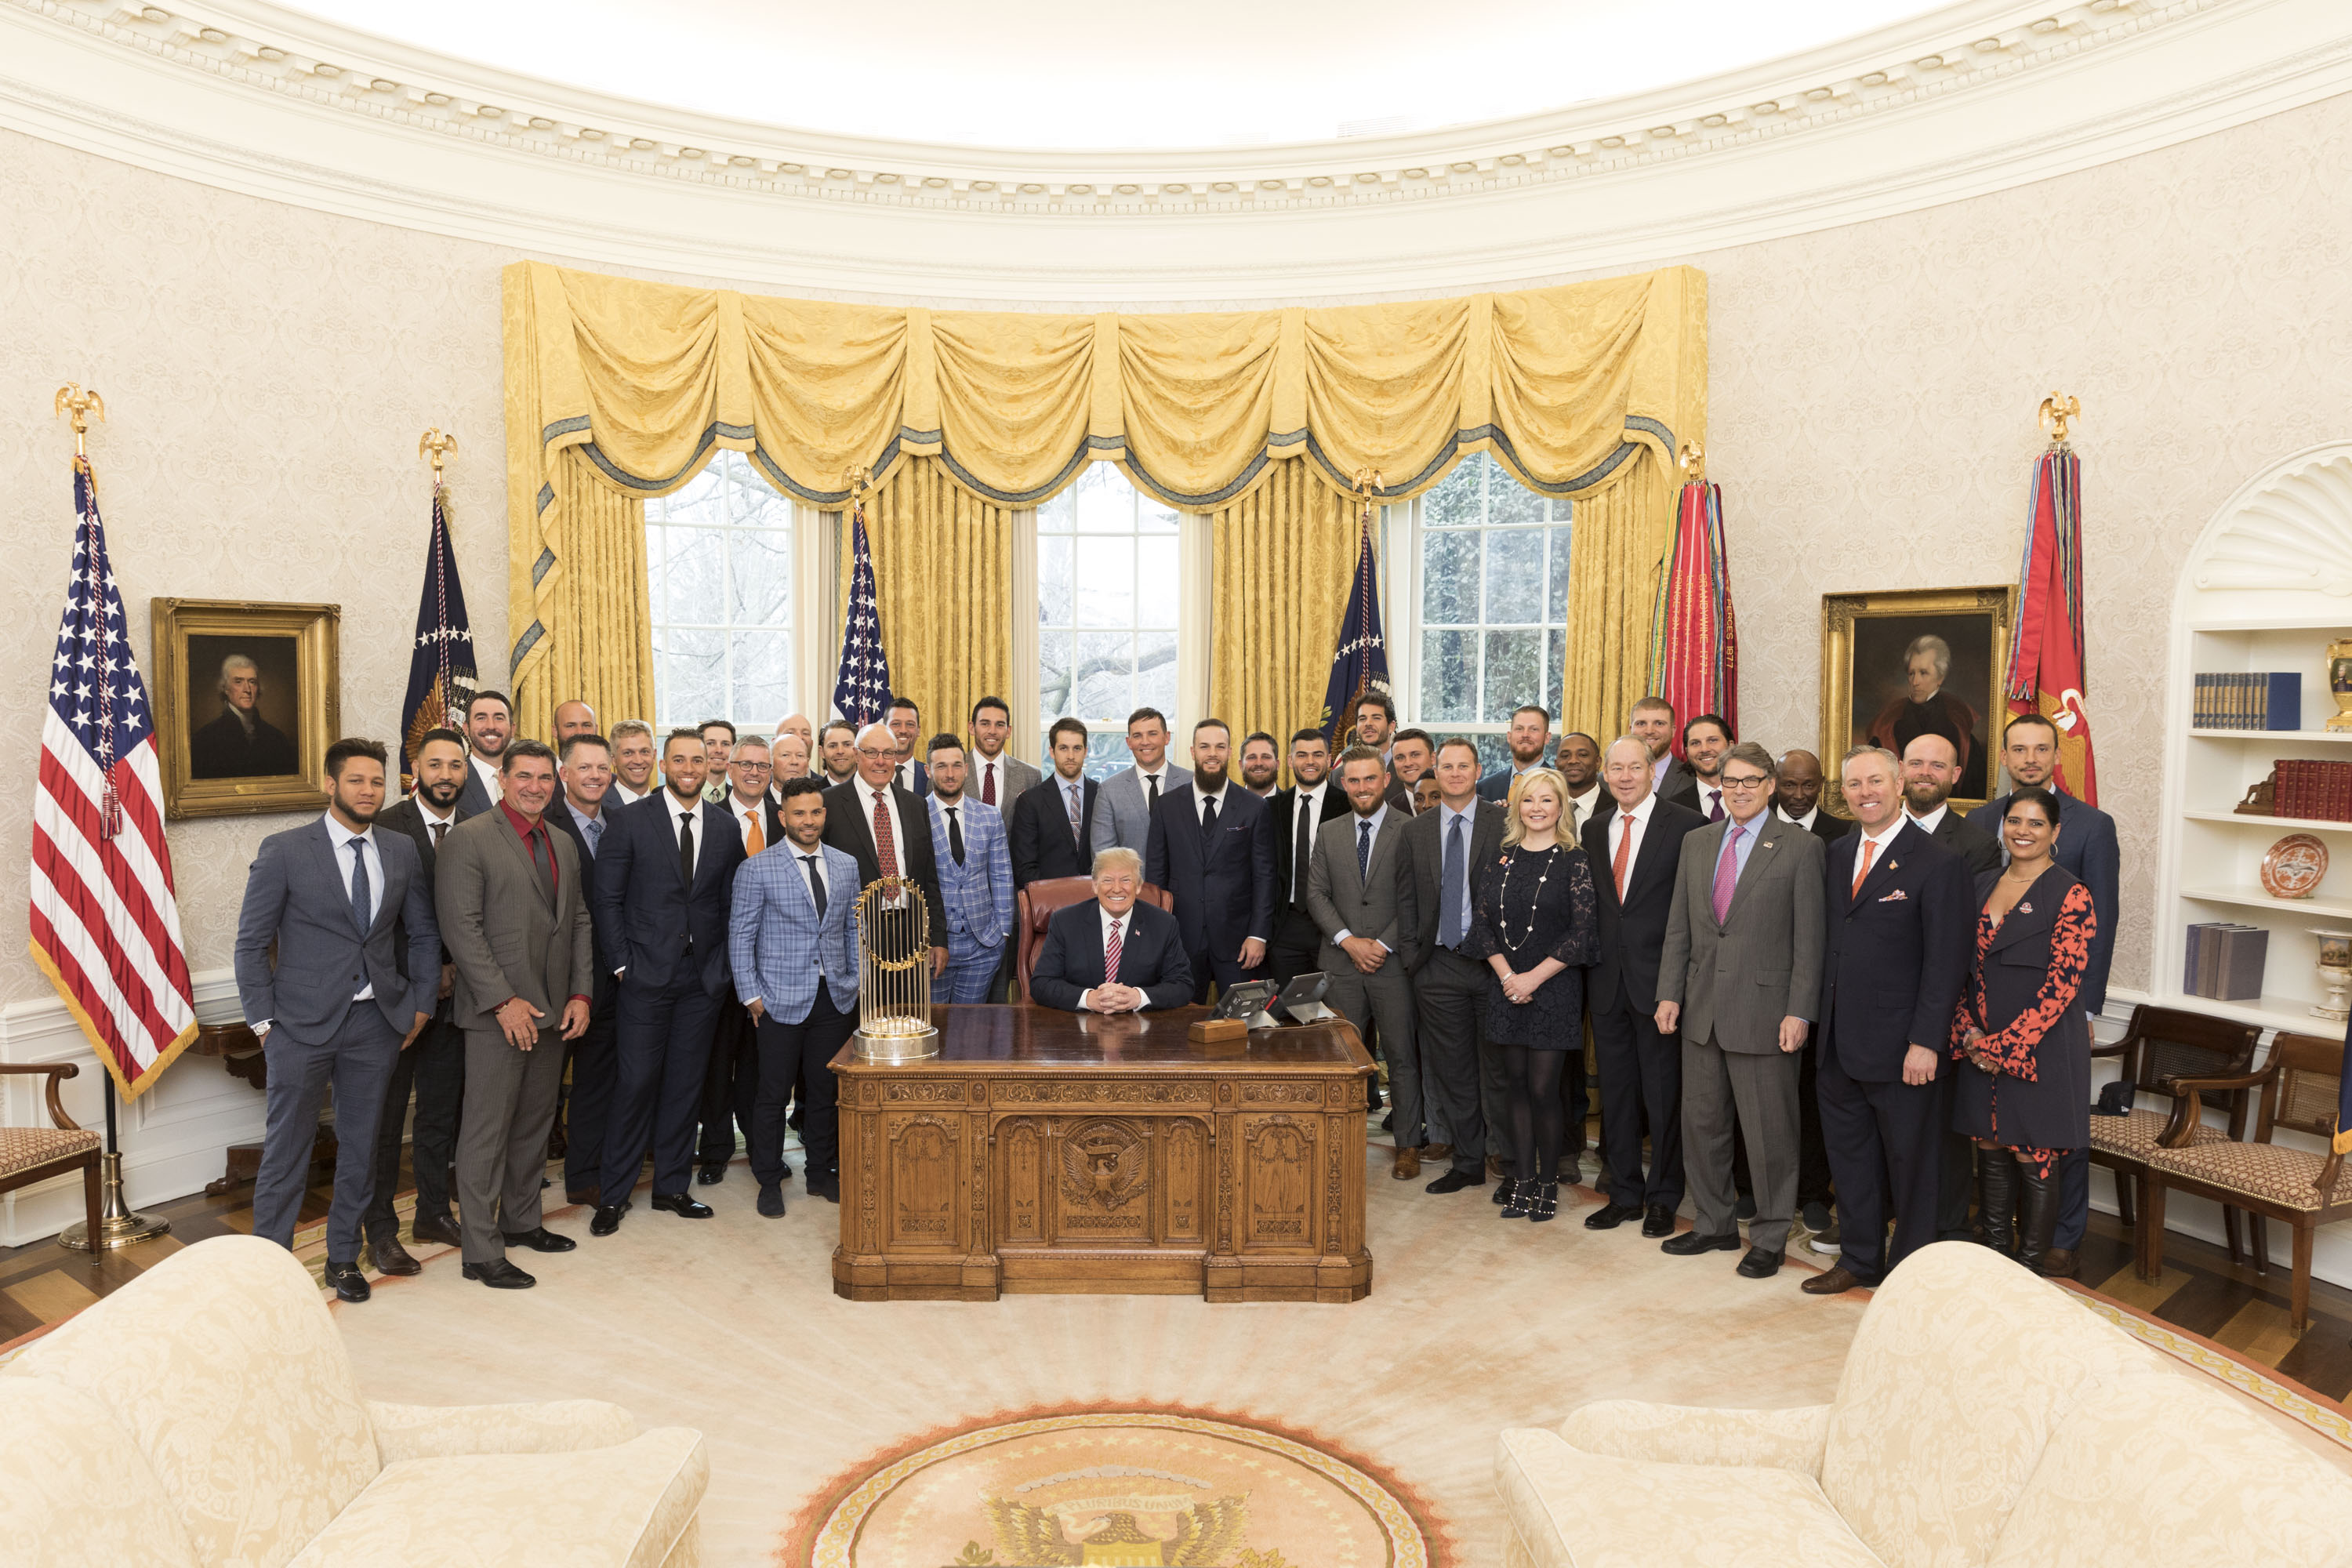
{"x": 269, "y": 370}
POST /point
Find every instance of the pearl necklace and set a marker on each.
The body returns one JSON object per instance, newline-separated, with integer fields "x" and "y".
{"x": 1503, "y": 898}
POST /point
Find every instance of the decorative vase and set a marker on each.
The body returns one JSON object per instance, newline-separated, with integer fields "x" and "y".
{"x": 2335, "y": 974}
{"x": 2339, "y": 682}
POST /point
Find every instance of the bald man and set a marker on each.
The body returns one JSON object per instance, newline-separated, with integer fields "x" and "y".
{"x": 573, "y": 717}
{"x": 1798, "y": 797}
{"x": 798, "y": 724}
{"x": 1931, "y": 767}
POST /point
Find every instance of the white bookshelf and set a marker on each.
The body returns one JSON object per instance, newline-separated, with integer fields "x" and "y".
{"x": 2255, "y": 595}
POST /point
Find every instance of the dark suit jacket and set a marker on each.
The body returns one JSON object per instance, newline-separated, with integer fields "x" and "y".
{"x": 1151, "y": 958}
{"x": 1972, "y": 843}
{"x": 1037, "y": 833}
{"x": 922, "y": 779}
{"x": 1896, "y": 953}
{"x": 1497, "y": 785}
{"x": 1633, "y": 934}
{"x": 2051, "y": 1109}
{"x": 2086, "y": 847}
{"x": 1222, "y": 883}
{"x": 1680, "y": 786}
{"x": 560, "y": 817}
{"x": 1827, "y": 829}
{"x": 404, "y": 817}
{"x": 644, "y": 915}
{"x": 477, "y": 798}
{"x": 297, "y": 899}
{"x": 1425, "y": 846}
{"x": 1282, "y": 803}
{"x": 846, "y": 829}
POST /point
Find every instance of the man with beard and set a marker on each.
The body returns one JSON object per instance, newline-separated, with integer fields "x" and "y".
{"x": 1579, "y": 762}
{"x": 1798, "y": 797}
{"x": 1213, "y": 848}
{"x": 1930, "y": 768}
{"x": 435, "y": 1062}
{"x": 240, "y": 743}
{"x": 836, "y": 746}
{"x": 1260, "y": 763}
{"x": 1375, "y": 723}
{"x": 1698, "y": 781}
{"x": 1313, "y": 799}
{"x": 633, "y": 761}
{"x": 1530, "y": 737}
{"x": 489, "y": 725}
{"x": 1047, "y": 836}
{"x": 1652, "y": 723}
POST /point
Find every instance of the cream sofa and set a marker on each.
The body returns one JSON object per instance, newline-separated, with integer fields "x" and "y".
{"x": 1983, "y": 1417}
{"x": 206, "y": 1414}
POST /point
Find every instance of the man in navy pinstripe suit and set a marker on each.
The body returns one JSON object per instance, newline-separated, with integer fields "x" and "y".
{"x": 792, "y": 938}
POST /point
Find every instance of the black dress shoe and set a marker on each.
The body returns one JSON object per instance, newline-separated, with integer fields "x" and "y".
{"x": 1502, "y": 1186}
{"x": 1612, "y": 1214}
{"x": 710, "y": 1175}
{"x": 386, "y": 1256}
{"x": 439, "y": 1228}
{"x": 825, "y": 1187}
{"x": 585, "y": 1196}
{"x": 771, "y": 1201}
{"x": 1657, "y": 1220}
{"x": 541, "y": 1240}
{"x": 1690, "y": 1243}
{"x": 1388, "y": 1122}
{"x": 1760, "y": 1264}
{"x": 350, "y": 1284}
{"x": 784, "y": 1169}
{"x": 499, "y": 1276}
{"x": 1745, "y": 1207}
{"x": 608, "y": 1220}
{"x": 1454, "y": 1181}
{"x": 683, "y": 1207}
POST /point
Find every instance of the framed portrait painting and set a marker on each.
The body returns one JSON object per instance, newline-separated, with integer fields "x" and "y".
{"x": 1913, "y": 662}
{"x": 246, "y": 703}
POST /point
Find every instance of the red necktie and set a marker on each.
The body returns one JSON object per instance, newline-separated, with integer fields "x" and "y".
{"x": 988, "y": 784}
{"x": 1624, "y": 854}
{"x": 1110, "y": 956}
{"x": 885, "y": 849}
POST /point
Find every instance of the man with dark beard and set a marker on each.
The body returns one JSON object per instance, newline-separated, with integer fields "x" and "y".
{"x": 1313, "y": 798}
{"x": 1260, "y": 763}
{"x": 1211, "y": 847}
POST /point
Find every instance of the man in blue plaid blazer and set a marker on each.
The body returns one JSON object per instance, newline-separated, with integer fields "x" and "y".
{"x": 975, "y": 876}
{"x": 792, "y": 937}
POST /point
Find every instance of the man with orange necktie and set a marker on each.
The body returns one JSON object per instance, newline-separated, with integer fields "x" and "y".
{"x": 731, "y": 1087}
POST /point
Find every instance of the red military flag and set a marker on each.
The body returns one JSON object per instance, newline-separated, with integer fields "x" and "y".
{"x": 1693, "y": 637}
{"x": 2045, "y": 649}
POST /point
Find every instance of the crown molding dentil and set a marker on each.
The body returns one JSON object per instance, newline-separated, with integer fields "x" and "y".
{"x": 1978, "y": 96}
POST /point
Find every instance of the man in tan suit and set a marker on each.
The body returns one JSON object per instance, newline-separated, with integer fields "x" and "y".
{"x": 1739, "y": 975}
{"x": 509, "y": 895}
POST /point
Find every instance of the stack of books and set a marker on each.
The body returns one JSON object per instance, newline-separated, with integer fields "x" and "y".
{"x": 2261, "y": 700}
{"x": 2320, "y": 792}
{"x": 2225, "y": 961}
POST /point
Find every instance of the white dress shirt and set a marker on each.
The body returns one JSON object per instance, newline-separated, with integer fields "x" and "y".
{"x": 1379, "y": 819}
{"x": 984, "y": 770}
{"x": 489, "y": 773}
{"x": 866, "y": 796}
{"x": 747, "y": 817}
{"x": 1805, "y": 822}
{"x": 671, "y": 803}
{"x": 1927, "y": 824}
{"x": 1629, "y": 824}
{"x": 1658, "y": 766}
{"x": 1583, "y": 807}
{"x": 343, "y": 838}
{"x": 1202, "y": 801}
{"x": 1127, "y": 930}
{"x": 627, "y": 796}
{"x": 1879, "y": 841}
{"x": 431, "y": 818}
{"x": 1709, "y": 795}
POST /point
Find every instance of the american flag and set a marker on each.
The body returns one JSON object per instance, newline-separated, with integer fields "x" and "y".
{"x": 106, "y": 921}
{"x": 441, "y": 673}
{"x": 861, "y": 692}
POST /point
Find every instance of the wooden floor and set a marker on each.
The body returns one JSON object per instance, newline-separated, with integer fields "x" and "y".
{"x": 2202, "y": 1291}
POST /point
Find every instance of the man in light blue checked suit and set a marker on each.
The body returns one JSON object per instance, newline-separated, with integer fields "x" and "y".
{"x": 975, "y": 875}
{"x": 792, "y": 934}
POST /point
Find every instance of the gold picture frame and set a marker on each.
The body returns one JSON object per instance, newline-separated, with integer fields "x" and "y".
{"x": 1873, "y": 632}
{"x": 258, "y": 748}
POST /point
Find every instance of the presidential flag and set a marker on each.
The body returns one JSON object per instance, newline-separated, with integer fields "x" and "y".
{"x": 2045, "y": 650}
{"x": 441, "y": 674}
{"x": 861, "y": 692}
{"x": 1693, "y": 640}
{"x": 1359, "y": 665}
{"x": 105, "y": 920}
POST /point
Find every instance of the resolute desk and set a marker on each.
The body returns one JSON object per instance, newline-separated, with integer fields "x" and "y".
{"x": 1071, "y": 1154}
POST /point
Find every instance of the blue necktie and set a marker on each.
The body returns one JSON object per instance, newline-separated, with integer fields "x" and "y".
{"x": 594, "y": 830}
{"x": 1364, "y": 850}
{"x": 1449, "y": 896}
{"x": 362, "y": 916}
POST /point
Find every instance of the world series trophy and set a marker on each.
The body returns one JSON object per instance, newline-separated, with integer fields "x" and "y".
{"x": 894, "y": 982}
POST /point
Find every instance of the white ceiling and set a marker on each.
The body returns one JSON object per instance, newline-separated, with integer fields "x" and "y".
{"x": 1107, "y": 74}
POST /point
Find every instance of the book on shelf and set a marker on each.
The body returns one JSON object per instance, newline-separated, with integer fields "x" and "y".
{"x": 2225, "y": 960}
{"x": 2259, "y": 699}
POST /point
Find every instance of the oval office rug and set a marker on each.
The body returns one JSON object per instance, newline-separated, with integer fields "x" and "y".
{"x": 1116, "y": 1487}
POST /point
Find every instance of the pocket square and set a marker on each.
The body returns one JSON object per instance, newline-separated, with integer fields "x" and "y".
{"x": 1898, "y": 897}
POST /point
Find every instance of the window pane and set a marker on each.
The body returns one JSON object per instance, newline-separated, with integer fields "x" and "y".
{"x": 1105, "y": 676}
{"x": 760, "y": 576}
{"x": 1106, "y": 502}
{"x": 762, "y": 690}
{"x": 698, "y": 570}
{"x": 1494, "y": 753}
{"x": 657, "y": 572}
{"x": 1509, "y": 501}
{"x": 1555, "y": 665}
{"x": 698, "y": 501}
{"x": 720, "y": 579}
{"x": 694, "y": 667}
{"x": 1151, "y": 516}
{"x": 1054, "y": 675}
{"x": 1157, "y": 573}
{"x": 1449, "y": 676}
{"x": 1155, "y": 671}
{"x": 1514, "y": 674}
{"x": 1107, "y": 753}
{"x": 1449, "y": 578}
{"x": 1515, "y": 576}
{"x": 1105, "y": 580}
{"x": 1053, "y": 580}
{"x": 1054, "y": 516}
{"x": 1559, "y": 595}
{"x": 1455, "y": 502}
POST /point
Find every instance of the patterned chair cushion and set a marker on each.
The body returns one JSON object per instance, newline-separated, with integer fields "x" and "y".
{"x": 2260, "y": 1169}
{"x": 23, "y": 1148}
{"x": 2136, "y": 1132}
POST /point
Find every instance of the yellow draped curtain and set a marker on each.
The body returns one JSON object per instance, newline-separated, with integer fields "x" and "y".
{"x": 1613, "y": 559}
{"x": 1282, "y": 559}
{"x": 595, "y": 641}
{"x": 943, "y": 576}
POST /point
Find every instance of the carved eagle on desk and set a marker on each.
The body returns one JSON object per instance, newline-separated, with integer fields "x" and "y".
{"x": 1033, "y": 1538}
{"x": 1101, "y": 1175}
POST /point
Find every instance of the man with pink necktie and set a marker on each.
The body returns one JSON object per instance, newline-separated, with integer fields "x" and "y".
{"x": 1739, "y": 975}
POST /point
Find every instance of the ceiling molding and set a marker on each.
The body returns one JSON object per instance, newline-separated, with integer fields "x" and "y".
{"x": 2003, "y": 101}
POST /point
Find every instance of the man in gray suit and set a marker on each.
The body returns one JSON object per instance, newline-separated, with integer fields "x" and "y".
{"x": 1362, "y": 901}
{"x": 996, "y": 779}
{"x": 514, "y": 913}
{"x": 1445, "y": 849}
{"x": 341, "y": 1000}
{"x": 1739, "y": 975}
{"x": 1130, "y": 798}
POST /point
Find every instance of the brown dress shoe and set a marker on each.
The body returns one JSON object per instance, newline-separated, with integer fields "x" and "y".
{"x": 436, "y": 1229}
{"x": 1434, "y": 1151}
{"x": 580, "y": 1195}
{"x": 1407, "y": 1166}
{"x": 1498, "y": 1167}
{"x": 1836, "y": 1282}
{"x": 386, "y": 1256}
{"x": 2058, "y": 1263}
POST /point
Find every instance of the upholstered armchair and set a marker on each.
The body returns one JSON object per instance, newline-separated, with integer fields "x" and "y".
{"x": 2162, "y": 1044}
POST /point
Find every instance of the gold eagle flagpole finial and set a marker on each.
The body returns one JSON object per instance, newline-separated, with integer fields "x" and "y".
{"x": 435, "y": 446}
{"x": 1691, "y": 460}
{"x": 1367, "y": 483}
{"x": 2055, "y": 411}
{"x": 82, "y": 404}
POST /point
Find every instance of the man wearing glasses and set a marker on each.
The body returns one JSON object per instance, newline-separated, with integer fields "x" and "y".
{"x": 1739, "y": 975}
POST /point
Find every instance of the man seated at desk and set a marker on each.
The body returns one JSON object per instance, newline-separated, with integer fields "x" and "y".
{"x": 1111, "y": 953}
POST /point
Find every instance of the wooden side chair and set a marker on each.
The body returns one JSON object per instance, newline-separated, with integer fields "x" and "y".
{"x": 2162, "y": 1044}
{"x": 2299, "y": 1086}
{"x": 29, "y": 1155}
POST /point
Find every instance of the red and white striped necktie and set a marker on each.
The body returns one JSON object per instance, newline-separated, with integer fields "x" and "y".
{"x": 1110, "y": 955}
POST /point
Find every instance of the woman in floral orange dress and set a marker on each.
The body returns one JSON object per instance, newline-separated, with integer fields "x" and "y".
{"x": 2023, "y": 1085}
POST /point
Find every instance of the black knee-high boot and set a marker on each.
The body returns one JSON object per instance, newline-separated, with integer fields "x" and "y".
{"x": 2037, "y": 1218}
{"x": 1997, "y": 1190}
